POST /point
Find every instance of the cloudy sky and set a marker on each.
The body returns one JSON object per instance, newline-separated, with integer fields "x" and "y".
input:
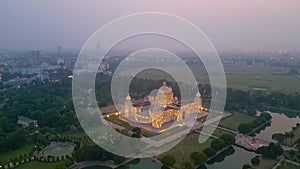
{"x": 230, "y": 24}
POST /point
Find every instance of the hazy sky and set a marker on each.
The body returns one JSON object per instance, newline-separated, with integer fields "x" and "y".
{"x": 230, "y": 24}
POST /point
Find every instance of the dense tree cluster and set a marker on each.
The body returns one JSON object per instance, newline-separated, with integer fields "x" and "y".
{"x": 271, "y": 151}
{"x": 246, "y": 128}
{"x": 244, "y": 100}
{"x": 255, "y": 160}
{"x": 222, "y": 142}
{"x": 168, "y": 160}
{"x": 218, "y": 144}
{"x": 94, "y": 152}
{"x": 199, "y": 158}
{"x": 187, "y": 165}
{"x": 247, "y": 166}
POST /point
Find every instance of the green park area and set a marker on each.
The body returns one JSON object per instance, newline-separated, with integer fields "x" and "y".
{"x": 115, "y": 119}
{"x": 258, "y": 77}
{"x": 44, "y": 165}
{"x": 269, "y": 78}
{"x": 183, "y": 150}
{"x": 218, "y": 132}
{"x": 15, "y": 154}
{"x": 235, "y": 120}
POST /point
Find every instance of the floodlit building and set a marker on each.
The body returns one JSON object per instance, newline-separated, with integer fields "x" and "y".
{"x": 26, "y": 121}
{"x": 162, "y": 108}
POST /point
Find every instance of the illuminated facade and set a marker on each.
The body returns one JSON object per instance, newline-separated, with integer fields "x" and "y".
{"x": 162, "y": 108}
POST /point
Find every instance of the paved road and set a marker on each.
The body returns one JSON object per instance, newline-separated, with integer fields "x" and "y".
{"x": 211, "y": 121}
{"x": 278, "y": 163}
{"x": 206, "y": 134}
{"x": 225, "y": 129}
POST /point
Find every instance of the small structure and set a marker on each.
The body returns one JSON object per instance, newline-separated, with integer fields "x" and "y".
{"x": 27, "y": 121}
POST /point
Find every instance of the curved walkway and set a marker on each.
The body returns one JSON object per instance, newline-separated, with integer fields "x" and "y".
{"x": 110, "y": 164}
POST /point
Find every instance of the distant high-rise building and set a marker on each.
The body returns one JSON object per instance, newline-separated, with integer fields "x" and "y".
{"x": 35, "y": 57}
{"x": 59, "y": 49}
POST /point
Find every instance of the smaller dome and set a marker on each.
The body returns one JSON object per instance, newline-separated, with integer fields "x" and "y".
{"x": 128, "y": 97}
{"x": 198, "y": 94}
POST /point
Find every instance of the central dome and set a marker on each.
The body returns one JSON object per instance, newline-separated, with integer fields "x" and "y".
{"x": 165, "y": 89}
{"x": 165, "y": 95}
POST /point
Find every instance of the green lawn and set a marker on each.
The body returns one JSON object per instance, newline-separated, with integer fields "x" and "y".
{"x": 202, "y": 119}
{"x": 183, "y": 150}
{"x": 38, "y": 165}
{"x": 219, "y": 132}
{"x": 116, "y": 120}
{"x": 244, "y": 77}
{"x": 235, "y": 120}
{"x": 7, "y": 156}
{"x": 170, "y": 132}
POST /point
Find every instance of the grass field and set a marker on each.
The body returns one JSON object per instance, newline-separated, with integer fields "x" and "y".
{"x": 7, "y": 156}
{"x": 235, "y": 120}
{"x": 169, "y": 132}
{"x": 249, "y": 77}
{"x": 36, "y": 165}
{"x": 116, "y": 120}
{"x": 219, "y": 132}
{"x": 244, "y": 77}
{"x": 183, "y": 150}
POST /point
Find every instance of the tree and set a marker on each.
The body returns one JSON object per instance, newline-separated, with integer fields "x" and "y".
{"x": 187, "y": 165}
{"x": 292, "y": 155}
{"x": 278, "y": 137}
{"x": 217, "y": 144}
{"x": 199, "y": 158}
{"x": 245, "y": 128}
{"x": 168, "y": 160}
{"x": 266, "y": 116}
{"x": 287, "y": 136}
{"x": 255, "y": 160}
{"x": 293, "y": 71}
{"x": 292, "y": 136}
{"x": 271, "y": 151}
{"x": 209, "y": 152}
{"x": 16, "y": 140}
{"x": 247, "y": 166}
{"x": 228, "y": 139}
{"x": 137, "y": 132}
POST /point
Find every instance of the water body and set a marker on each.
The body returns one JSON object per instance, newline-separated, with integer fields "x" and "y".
{"x": 146, "y": 163}
{"x": 233, "y": 158}
{"x": 97, "y": 167}
{"x": 280, "y": 124}
{"x": 236, "y": 158}
{"x": 142, "y": 164}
